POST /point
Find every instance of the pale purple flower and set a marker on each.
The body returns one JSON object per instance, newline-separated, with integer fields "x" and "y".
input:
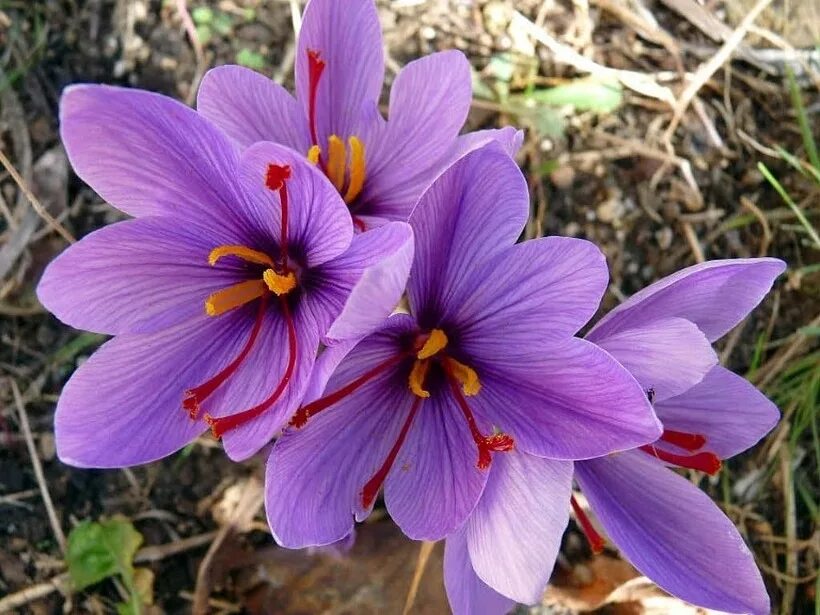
{"x": 484, "y": 364}
{"x": 381, "y": 167}
{"x": 669, "y": 529}
{"x": 218, "y": 293}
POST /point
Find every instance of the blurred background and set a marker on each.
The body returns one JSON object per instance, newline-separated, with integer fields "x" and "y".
{"x": 666, "y": 131}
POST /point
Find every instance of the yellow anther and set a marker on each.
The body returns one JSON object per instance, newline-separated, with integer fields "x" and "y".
{"x": 466, "y": 376}
{"x": 279, "y": 284}
{"x": 357, "y": 169}
{"x": 246, "y": 254}
{"x": 416, "y": 379}
{"x": 234, "y": 296}
{"x": 436, "y": 341}
{"x": 336, "y": 161}
{"x": 313, "y": 154}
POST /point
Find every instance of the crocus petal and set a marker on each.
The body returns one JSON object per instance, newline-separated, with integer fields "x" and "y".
{"x": 715, "y": 295}
{"x": 429, "y": 102}
{"x": 514, "y": 533}
{"x": 258, "y": 378}
{"x": 123, "y": 406}
{"x": 134, "y": 276}
{"x": 148, "y": 154}
{"x": 509, "y": 138}
{"x": 474, "y": 210}
{"x": 368, "y": 280}
{"x": 564, "y": 400}
{"x": 315, "y": 474}
{"x": 724, "y": 408}
{"x": 466, "y": 592}
{"x": 435, "y": 482}
{"x": 669, "y": 355}
{"x": 348, "y": 38}
{"x": 673, "y": 533}
{"x": 250, "y": 107}
{"x": 545, "y": 288}
{"x": 319, "y": 224}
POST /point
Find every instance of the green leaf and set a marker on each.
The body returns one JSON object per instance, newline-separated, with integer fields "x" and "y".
{"x": 251, "y": 59}
{"x": 98, "y": 550}
{"x": 583, "y": 95}
{"x": 202, "y": 15}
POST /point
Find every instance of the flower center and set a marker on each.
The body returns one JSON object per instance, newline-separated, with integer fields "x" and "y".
{"x": 703, "y": 461}
{"x": 428, "y": 349}
{"x": 344, "y": 166}
{"x": 276, "y": 278}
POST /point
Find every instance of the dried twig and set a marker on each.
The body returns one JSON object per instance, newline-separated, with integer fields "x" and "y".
{"x": 35, "y": 203}
{"x": 424, "y": 556}
{"x": 709, "y": 68}
{"x": 59, "y": 536}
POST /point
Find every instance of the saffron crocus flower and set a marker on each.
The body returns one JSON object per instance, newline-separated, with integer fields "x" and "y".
{"x": 220, "y": 290}
{"x": 380, "y": 167}
{"x": 484, "y": 364}
{"x": 669, "y": 529}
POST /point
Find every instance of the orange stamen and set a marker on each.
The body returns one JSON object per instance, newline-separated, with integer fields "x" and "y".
{"x": 246, "y": 254}
{"x": 234, "y": 296}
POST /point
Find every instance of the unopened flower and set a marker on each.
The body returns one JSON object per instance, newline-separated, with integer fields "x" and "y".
{"x": 667, "y": 527}
{"x": 485, "y": 364}
{"x": 379, "y": 167}
{"x": 220, "y": 290}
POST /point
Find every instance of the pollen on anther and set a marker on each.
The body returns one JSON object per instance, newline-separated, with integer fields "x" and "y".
{"x": 437, "y": 340}
{"x": 276, "y": 176}
{"x": 416, "y": 379}
{"x": 279, "y": 284}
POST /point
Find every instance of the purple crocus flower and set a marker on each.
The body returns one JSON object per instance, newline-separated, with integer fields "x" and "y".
{"x": 380, "y": 167}
{"x": 485, "y": 363}
{"x": 220, "y": 290}
{"x": 669, "y": 529}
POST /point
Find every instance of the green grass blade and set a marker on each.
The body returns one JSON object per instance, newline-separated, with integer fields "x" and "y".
{"x": 785, "y": 196}
{"x": 803, "y": 120}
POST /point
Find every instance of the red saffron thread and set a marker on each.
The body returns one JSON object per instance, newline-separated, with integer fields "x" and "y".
{"x": 705, "y": 462}
{"x": 301, "y": 416}
{"x": 275, "y": 180}
{"x": 499, "y": 442}
{"x": 220, "y": 425}
{"x": 194, "y": 397}
{"x": 316, "y": 67}
{"x": 371, "y": 488}
{"x": 596, "y": 543}
{"x": 685, "y": 440}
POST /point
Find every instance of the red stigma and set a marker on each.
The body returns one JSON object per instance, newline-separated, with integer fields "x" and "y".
{"x": 596, "y": 543}
{"x": 704, "y": 462}
{"x": 688, "y": 441}
{"x": 359, "y": 224}
{"x": 300, "y": 418}
{"x": 194, "y": 397}
{"x": 496, "y": 443}
{"x": 220, "y": 425}
{"x": 276, "y": 176}
{"x": 371, "y": 488}
{"x": 316, "y": 67}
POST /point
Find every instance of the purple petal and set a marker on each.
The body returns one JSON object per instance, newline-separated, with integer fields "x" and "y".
{"x": 514, "y": 533}
{"x": 546, "y": 288}
{"x": 319, "y": 224}
{"x": 123, "y": 407}
{"x": 673, "y": 533}
{"x": 368, "y": 280}
{"x": 435, "y": 482}
{"x": 315, "y": 474}
{"x": 474, "y": 210}
{"x": 250, "y": 107}
{"x": 148, "y": 154}
{"x": 134, "y": 276}
{"x": 715, "y": 295}
{"x": 466, "y": 592}
{"x": 326, "y": 363}
{"x": 510, "y": 139}
{"x": 724, "y": 408}
{"x": 564, "y": 400}
{"x": 258, "y": 378}
{"x": 669, "y": 355}
{"x": 348, "y": 38}
{"x": 429, "y": 102}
